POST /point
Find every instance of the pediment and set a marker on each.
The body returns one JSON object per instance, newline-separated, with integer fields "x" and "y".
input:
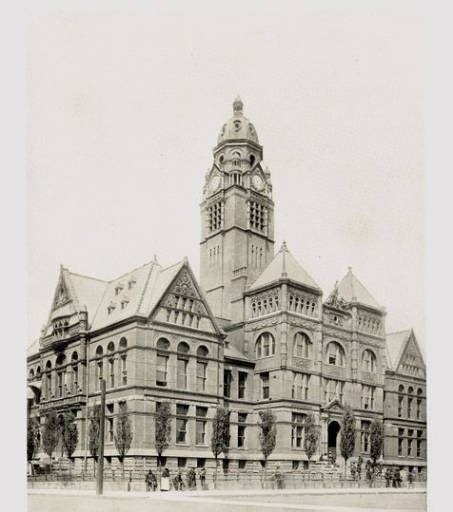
{"x": 183, "y": 304}
{"x": 411, "y": 362}
{"x": 334, "y": 406}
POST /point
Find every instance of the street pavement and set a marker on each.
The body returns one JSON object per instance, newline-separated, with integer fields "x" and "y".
{"x": 307, "y": 500}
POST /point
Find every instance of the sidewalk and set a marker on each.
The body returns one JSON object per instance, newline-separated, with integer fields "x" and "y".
{"x": 226, "y": 493}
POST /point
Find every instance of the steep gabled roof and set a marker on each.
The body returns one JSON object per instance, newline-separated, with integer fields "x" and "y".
{"x": 123, "y": 296}
{"x": 284, "y": 266}
{"x": 351, "y": 289}
{"x": 395, "y": 343}
{"x": 400, "y": 343}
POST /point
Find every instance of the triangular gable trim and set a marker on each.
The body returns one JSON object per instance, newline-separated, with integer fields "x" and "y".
{"x": 185, "y": 265}
{"x": 410, "y": 338}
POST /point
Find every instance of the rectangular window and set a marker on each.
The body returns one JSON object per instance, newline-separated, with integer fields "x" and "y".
{"x": 200, "y": 426}
{"x": 400, "y": 441}
{"x": 242, "y": 384}
{"x": 110, "y": 430}
{"x": 265, "y": 393}
{"x": 410, "y": 442}
{"x": 295, "y": 465}
{"x": 112, "y": 373}
{"x": 181, "y": 423}
{"x": 297, "y": 430}
{"x": 123, "y": 370}
{"x": 227, "y": 378}
{"x": 161, "y": 370}
{"x": 419, "y": 406}
{"x": 365, "y": 436}
{"x": 333, "y": 389}
{"x": 182, "y": 462}
{"x": 409, "y": 407}
{"x": 368, "y": 397}
{"x": 257, "y": 216}
{"x": 242, "y": 418}
{"x": 181, "y": 376}
{"x": 215, "y": 216}
{"x": 59, "y": 384}
{"x": 242, "y": 464}
{"x": 201, "y": 375}
{"x": 400, "y": 406}
{"x": 75, "y": 379}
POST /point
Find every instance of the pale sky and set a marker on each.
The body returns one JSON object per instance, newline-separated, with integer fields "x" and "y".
{"x": 126, "y": 102}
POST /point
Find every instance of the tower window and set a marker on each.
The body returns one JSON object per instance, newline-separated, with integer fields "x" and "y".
{"x": 257, "y": 216}
{"x": 215, "y": 216}
{"x": 236, "y": 178}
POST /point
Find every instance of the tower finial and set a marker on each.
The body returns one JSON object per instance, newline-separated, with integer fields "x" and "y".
{"x": 238, "y": 105}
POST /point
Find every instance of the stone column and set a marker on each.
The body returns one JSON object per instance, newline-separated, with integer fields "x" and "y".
{"x": 324, "y": 423}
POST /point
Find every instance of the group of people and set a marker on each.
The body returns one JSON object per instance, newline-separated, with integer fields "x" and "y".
{"x": 179, "y": 482}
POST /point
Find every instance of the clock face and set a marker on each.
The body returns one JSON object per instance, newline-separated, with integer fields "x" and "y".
{"x": 215, "y": 182}
{"x": 258, "y": 182}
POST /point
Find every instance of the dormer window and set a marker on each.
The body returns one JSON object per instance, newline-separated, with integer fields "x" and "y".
{"x": 118, "y": 288}
{"x": 111, "y": 308}
{"x": 124, "y": 303}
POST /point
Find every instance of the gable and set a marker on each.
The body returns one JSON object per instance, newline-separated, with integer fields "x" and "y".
{"x": 411, "y": 362}
{"x": 183, "y": 304}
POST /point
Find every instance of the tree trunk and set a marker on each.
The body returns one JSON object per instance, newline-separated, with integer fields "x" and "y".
{"x": 345, "y": 467}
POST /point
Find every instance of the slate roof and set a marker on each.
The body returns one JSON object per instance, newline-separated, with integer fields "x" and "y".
{"x": 135, "y": 293}
{"x": 284, "y": 265}
{"x": 395, "y": 343}
{"x": 351, "y": 289}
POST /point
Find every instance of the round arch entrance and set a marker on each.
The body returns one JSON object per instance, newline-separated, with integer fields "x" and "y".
{"x": 332, "y": 438}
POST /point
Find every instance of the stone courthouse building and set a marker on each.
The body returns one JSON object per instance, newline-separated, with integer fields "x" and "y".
{"x": 254, "y": 332}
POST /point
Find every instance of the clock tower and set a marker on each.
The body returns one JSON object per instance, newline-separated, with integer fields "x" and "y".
{"x": 237, "y": 218}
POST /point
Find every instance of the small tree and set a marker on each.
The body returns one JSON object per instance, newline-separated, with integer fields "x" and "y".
{"x": 163, "y": 429}
{"x": 94, "y": 432}
{"x": 311, "y": 438}
{"x": 50, "y": 433}
{"x": 123, "y": 435}
{"x": 220, "y": 434}
{"x": 267, "y": 435}
{"x": 70, "y": 435}
{"x": 376, "y": 441}
{"x": 32, "y": 438}
{"x": 347, "y": 440}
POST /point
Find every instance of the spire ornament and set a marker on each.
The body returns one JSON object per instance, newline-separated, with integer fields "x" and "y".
{"x": 238, "y": 105}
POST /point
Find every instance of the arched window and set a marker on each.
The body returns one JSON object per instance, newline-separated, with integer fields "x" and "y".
{"x": 335, "y": 354}
{"x": 302, "y": 345}
{"x": 369, "y": 361}
{"x": 410, "y": 391}
{"x": 75, "y": 372}
{"x": 111, "y": 347}
{"x": 38, "y": 372}
{"x": 31, "y": 374}
{"x": 236, "y": 178}
{"x": 252, "y": 160}
{"x": 61, "y": 377}
{"x": 202, "y": 365}
{"x": 202, "y": 351}
{"x": 221, "y": 159}
{"x": 182, "y": 363}
{"x": 183, "y": 348}
{"x": 265, "y": 345}
{"x": 48, "y": 380}
{"x": 236, "y": 158}
{"x": 99, "y": 369}
{"x": 162, "y": 346}
{"x": 400, "y": 400}
{"x": 419, "y": 403}
{"x": 123, "y": 343}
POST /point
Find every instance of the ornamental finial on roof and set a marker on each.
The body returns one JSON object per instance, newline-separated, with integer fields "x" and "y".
{"x": 284, "y": 247}
{"x": 238, "y": 105}
{"x": 350, "y": 269}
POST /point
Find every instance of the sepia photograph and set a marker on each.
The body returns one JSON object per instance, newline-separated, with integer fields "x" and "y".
{"x": 226, "y": 256}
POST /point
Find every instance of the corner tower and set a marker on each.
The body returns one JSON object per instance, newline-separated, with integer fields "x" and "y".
{"x": 237, "y": 218}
